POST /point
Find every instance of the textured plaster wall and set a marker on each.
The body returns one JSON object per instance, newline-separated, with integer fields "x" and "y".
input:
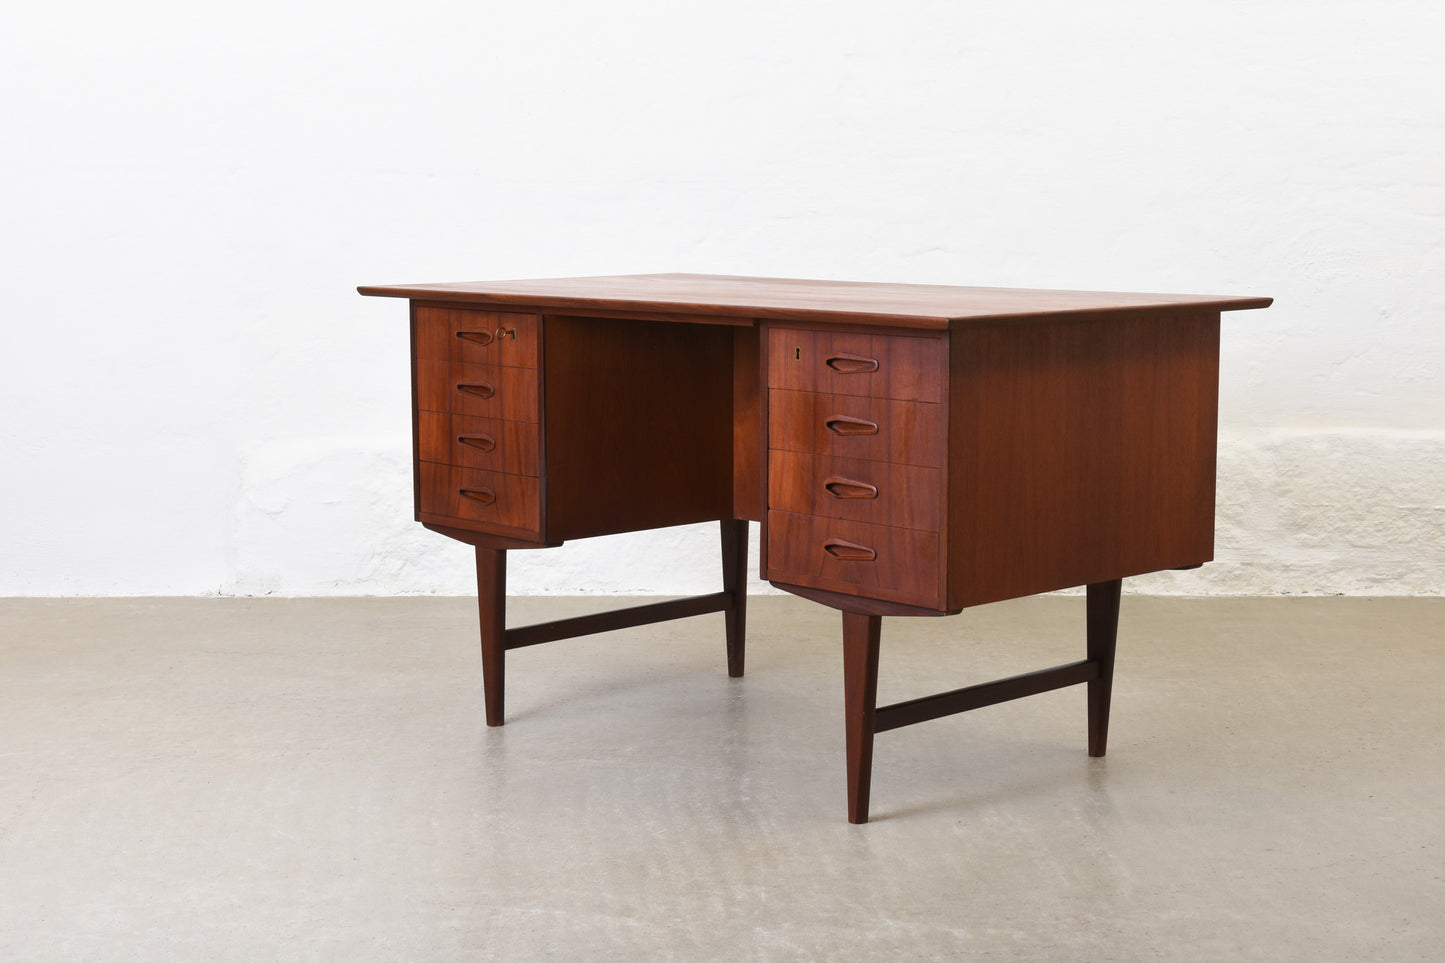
{"x": 193, "y": 399}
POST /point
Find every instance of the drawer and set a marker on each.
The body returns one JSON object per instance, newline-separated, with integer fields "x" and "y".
{"x": 477, "y": 337}
{"x": 854, "y": 558}
{"x": 899, "y": 367}
{"x": 902, "y": 496}
{"x": 902, "y": 432}
{"x": 504, "y": 446}
{"x": 508, "y": 501}
{"x": 486, "y": 391}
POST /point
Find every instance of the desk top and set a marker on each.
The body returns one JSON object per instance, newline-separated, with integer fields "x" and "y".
{"x": 930, "y": 306}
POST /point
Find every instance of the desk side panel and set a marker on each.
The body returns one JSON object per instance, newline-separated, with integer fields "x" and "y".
{"x": 1080, "y": 451}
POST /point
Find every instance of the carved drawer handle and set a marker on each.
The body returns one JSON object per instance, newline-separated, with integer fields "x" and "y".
{"x": 482, "y": 389}
{"x": 852, "y": 364}
{"x": 484, "y": 495}
{"x": 477, "y": 337}
{"x": 479, "y": 442}
{"x": 848, "y": 488}
{"x": 845, "y": 425}
{"x": 848, "y": 551}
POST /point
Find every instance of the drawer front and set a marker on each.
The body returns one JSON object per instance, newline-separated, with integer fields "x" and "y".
{"x": 504, "y": 446}
{"x": 854, "y": 558}
{"x": 903, "y": 496}
{"x": 477, "y": 337}
{"x": 485, "y": 391}
{"x": 508, "y": 501}
{"x": 902, "y": 432}
{"x": 845, "y": 363}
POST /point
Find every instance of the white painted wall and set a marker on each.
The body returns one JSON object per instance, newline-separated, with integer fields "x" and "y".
{"x": 196, "y": 401}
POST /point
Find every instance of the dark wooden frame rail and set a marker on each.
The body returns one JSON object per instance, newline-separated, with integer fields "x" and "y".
{"x": 910, "y": 450}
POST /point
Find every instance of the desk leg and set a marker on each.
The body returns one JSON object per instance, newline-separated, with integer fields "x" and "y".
{"x": 735, "y": 584}
{"x": 492, "y": 607}
{"x": 1103, "y": 631}
{"x": 860, "y": 699}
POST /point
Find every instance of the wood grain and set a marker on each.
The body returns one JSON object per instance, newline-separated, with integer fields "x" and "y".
{"x": 905, "y": 569}
{"x": 492, "y": 609}
{"x": 516, "y": 448}
{"x": 516, "y": 506}
{"x": 857, "y": 603}
{"x": 511, "y": 336}
{"x": 1102, "y": 615}
{"x": 909, "y": 432}
{"x": 918, "y": 306}
{"x": 747, "y": 425}
{"x": 1080, "y": 452}
{"x": 907, "y": 369}
{"x": 907, "y": 496}
{"x": 860, "y": 699}
{"x": 639, "y": 425}
{"x": 463, "y": 389}
{"x": 734, "y": 534}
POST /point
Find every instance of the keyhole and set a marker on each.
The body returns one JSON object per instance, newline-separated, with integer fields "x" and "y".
{"x": 797, "y": 354}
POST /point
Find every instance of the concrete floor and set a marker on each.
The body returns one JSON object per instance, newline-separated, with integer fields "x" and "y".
{"x": 249, "y": 779}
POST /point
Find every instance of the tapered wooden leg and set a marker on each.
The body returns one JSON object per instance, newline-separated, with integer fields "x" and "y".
{"x": 860, "y": 699}
{"x": 1103, "y": 631}
{"x": 735, "y": 584}
{"x": 492, "y": 607}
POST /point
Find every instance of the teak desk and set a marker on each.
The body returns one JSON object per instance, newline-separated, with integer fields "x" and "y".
{"x": 909, "y": 450}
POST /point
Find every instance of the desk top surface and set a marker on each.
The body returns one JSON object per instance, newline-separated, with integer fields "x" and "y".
{"x": 929, "y": 306}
